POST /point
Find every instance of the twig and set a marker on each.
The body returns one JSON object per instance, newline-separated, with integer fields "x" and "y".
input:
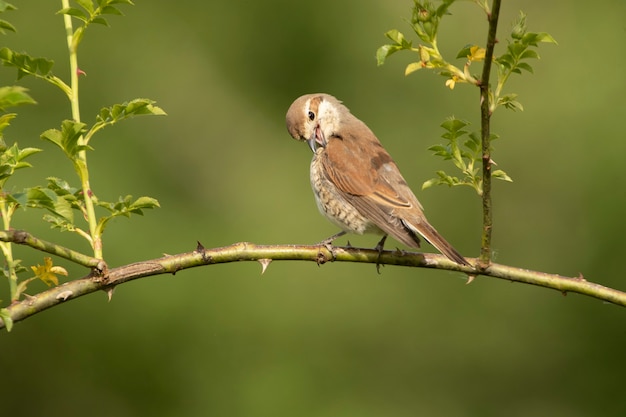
{"x": 24, "y": 238}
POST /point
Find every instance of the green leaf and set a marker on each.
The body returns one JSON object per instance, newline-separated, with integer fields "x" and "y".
{"x": 74, "y": 12}
{"x": 41, "y": 198}
{"x": 125, "y": 207}
{"x": 12, "y": 159}
{"x": 25, "y": 64}
{"x": 58, "y": 222}
{"x": 529, "y": 54}
{"x": 525, "y": 66}
{"x": 472, "y": 145}
{"x": 412, "y": 67}
{"x": 6, "y": 318}
{"x": 464, "y": 52}
{"x": 44, "y": 198}
{"x": 384, "y": 51}
{"x": 68, "y": 138}
{"x": 62, "y": 188}
{"x": 101, "y": 21}
{"x": 396, "y": 36}
{"x": 12, "y": 96}
{"x": 501, "y": 175}
{"x": 129, "y": 2}
{"x": 5, "y": 7}
{"x": 429, "y": 183}
{"x": 5, "y": 121}
{"x": 143, "y": 203}
{"x": 440, "y": 150}
{"x": 117, "y": 112}
{"x": 111, "y": 10}
{"x": 6, "y": 26}
{"x": 509, "y": 101}
{"x": 87, "y": 5}
{"x": 534, "y": 38}
{"x": 454, "y": 125}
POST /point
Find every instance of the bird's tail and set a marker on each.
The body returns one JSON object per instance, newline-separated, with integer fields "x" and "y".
{"x": 434, "y": 238}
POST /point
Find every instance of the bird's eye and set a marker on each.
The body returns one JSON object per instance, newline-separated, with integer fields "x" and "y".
{"x": 311, "y": 116}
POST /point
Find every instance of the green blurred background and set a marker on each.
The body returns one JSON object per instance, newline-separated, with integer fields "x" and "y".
{"x": 336, "y": 340}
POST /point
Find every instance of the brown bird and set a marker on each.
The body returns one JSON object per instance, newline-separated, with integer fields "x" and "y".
{"x": 357, "y": 185}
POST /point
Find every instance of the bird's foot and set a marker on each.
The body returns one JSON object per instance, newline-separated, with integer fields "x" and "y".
{"x": 380, "y": 246}
{"x": 327, "y": 243}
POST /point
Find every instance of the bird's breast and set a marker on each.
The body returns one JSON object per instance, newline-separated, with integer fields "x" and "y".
{"x": 333, "y": 204}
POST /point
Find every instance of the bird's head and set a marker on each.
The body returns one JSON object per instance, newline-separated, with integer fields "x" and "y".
{"x": 314, "y": 118}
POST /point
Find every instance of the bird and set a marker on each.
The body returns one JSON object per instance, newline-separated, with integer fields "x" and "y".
{"x": 356, "y": 183}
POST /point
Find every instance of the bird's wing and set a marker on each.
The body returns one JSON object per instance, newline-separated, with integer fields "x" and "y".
{"x": 365, "y": 174}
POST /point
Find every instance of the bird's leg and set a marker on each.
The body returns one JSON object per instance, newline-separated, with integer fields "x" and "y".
{"x": 327, "y": 242}
{"x": 379, "y": 247}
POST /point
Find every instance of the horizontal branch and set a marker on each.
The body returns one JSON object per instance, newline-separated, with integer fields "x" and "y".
{"x": 265, "y": 254}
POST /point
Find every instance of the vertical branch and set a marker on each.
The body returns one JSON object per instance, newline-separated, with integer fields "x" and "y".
{"x": 485, "y": 118}
{"x": 6, "y": 210}
{"x": 80, "y": 163}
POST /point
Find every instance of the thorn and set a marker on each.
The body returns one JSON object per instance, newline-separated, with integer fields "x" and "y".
{"x": 64, "y": 295}
{"x": 265, "y": 262}
{"x": 348, "y": 245}
{"x": 200, "y": 247}
{"x": 580, "y": 277}
{"x": 470, "y": 279}
{"x": 110, "y": 293}
{"x": 80, "y": 72}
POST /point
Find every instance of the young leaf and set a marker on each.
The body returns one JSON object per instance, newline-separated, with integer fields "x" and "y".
{"x": 87, "y": 5}
{"x": 60, "y": 207}
{"x": 12, "y": 159}
{"x": 67, "y": 138}
{"x": 62, "y": 189}
{"x": 6, "y": 318}
{"x": 5, "y": 7}
{"x": 74, "y": 12}
{"x": 501, "y": 175}
{"x": 125, "y": 207}
{"x": 413, "y": 66}
{"x": 141, "y": 203}
{"x": 113, "y": 114}
{"x": 6, "y": 26}
{"x": 48, "y": 272}
{"x": 384, "y": 51}
{"x": 25, "y": 64}
{"x": 12, "y": 96}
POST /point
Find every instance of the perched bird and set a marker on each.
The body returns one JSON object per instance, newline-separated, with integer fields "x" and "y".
{"x": 357, "y": 185}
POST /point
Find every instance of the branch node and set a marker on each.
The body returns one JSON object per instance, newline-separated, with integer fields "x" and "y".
{"x": 20, "y": 236}
{"x": 322, "y": 257}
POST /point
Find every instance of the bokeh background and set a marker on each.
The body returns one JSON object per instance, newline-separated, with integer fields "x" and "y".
{"x": 336, "y": 340}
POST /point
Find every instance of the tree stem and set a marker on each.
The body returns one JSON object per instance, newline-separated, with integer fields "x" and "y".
{"x": 485, "y": 118}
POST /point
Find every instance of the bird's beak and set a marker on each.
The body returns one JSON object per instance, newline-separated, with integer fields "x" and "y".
{"x": 317, "y": 138}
